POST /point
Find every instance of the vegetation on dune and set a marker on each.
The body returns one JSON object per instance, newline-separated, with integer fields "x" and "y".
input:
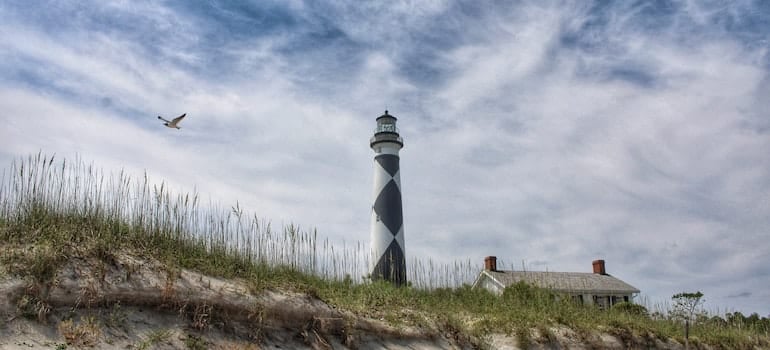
{"x": 53, "y": 211}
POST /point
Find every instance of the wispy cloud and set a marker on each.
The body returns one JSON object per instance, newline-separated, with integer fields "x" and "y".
{"x": 740, "y": 295}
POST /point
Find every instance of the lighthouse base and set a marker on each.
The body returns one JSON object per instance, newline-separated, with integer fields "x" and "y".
{"x": 392, "y": 266}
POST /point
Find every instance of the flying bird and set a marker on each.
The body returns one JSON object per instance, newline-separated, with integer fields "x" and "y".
{"x": 173, "y": 123}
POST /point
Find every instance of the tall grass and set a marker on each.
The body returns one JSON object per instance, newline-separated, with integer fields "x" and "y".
{"x": 120, "y": 208}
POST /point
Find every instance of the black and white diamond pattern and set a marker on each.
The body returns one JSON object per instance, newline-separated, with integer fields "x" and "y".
{"x": 387, "y": 221}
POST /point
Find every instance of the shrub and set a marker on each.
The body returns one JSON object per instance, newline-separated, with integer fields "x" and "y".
{"x": 631, "y": 309}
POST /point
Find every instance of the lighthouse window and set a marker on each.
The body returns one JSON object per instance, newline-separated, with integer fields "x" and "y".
{"x": 387, "y": 128}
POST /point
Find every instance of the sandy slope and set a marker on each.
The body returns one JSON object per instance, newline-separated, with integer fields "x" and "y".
{"x": 138, "y": 303}
{"x": 132, "y": 303}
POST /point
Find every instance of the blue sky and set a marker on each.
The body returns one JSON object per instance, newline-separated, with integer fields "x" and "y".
{"x": 548, "y": 134}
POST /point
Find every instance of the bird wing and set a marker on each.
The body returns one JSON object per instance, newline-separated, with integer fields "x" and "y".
{"x": 179, "y": 118}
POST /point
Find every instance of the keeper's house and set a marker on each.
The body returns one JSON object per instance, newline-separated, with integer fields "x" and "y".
{"x": 597, "y": 288}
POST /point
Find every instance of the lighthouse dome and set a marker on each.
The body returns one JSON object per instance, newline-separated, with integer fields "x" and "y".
{"x": 386, "y": 116}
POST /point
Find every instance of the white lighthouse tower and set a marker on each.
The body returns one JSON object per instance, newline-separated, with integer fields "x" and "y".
{"x": 387, "y": 229}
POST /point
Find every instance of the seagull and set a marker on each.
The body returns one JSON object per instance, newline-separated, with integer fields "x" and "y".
{"x": 173, "y": 123}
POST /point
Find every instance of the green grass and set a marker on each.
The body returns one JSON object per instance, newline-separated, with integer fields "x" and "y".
{"x": 52, "y": 211}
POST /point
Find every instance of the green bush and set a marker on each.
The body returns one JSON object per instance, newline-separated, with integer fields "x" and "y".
{"x": 631, "y": 309}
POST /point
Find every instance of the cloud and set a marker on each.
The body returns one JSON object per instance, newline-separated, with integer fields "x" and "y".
{"x": 607, "y": 166}
{"x": 740, "y": 295}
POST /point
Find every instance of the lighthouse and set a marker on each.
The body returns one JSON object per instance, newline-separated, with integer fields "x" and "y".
{"x": 387, "y": 225}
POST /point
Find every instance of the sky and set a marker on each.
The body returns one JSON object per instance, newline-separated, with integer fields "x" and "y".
{"x": 546, "y": 133}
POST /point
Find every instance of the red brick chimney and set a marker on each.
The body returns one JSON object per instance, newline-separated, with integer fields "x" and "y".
{"x": 490, "y": 263}
{"x": 599, "y": 267}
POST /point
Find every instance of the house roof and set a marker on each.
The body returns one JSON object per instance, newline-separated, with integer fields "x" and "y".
{"x": 569, "y": 282}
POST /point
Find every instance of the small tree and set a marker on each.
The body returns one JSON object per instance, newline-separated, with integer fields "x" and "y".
{"x": 685, "y": 307}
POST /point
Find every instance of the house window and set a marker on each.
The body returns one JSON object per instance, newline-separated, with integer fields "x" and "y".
{"x": 578, "y": 299}
{"x": 601, "y": 301}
